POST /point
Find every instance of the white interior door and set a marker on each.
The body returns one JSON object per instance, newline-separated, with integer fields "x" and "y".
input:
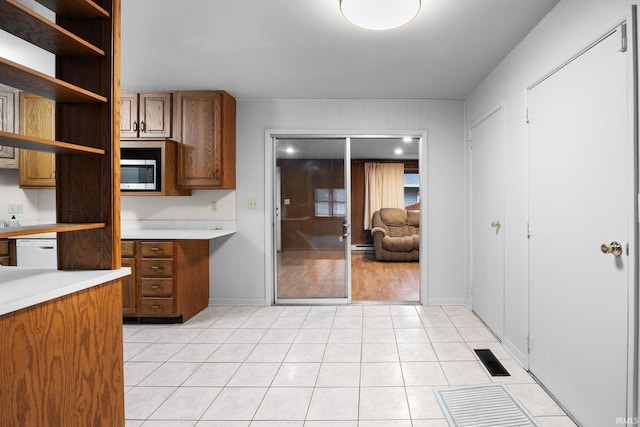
{"x": 581, "y": 195}
{"x": 487, "y": 194}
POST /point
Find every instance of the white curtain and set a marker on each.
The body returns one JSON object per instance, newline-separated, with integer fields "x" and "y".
{"x": 383, "y": 188}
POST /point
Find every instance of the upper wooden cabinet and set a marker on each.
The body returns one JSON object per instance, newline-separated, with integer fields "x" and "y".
{"x": 145, "y": 115}
{"x": 205, "y": 125}
{"x": 8, "y": 106}
{"x": 37, "y": 169}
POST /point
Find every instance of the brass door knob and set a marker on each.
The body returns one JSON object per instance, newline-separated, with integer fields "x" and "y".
{"x": 614, "y": 248}
{"x": 496, "y": 225}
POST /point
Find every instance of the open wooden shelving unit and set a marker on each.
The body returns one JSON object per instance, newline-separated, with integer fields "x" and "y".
{"x": 85, "y": 40}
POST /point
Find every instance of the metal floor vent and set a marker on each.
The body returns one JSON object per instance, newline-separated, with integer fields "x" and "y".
{"x": 491, "y": 362}
{"x": 483, "y": 406}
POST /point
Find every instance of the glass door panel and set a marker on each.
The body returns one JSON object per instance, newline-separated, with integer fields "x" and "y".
{"x": 312, "y": 220}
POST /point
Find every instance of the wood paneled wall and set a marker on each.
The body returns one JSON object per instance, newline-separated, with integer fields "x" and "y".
{"x": 300, "y": 228}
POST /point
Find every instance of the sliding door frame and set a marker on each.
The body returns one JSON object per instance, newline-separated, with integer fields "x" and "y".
{"x": 270, "y": 136}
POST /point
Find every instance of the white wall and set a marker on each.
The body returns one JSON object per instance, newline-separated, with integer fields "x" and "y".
{"x": 569, "y": 27}
{"x": 240, "y": 261}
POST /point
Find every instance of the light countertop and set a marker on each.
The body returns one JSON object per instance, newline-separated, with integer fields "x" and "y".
{"x": 22, "y": 287}
{"x": 156, "y": 233}
{"x": 175, "y": 234}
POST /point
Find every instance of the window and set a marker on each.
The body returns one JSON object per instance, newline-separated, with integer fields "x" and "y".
{"x": 411, "y": 188}
{"x": 331, "y": 202}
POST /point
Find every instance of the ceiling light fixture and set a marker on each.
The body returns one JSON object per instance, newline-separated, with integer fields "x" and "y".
{"x": 379, "y": 14}
{"x": 398, "y": 151}
{"x": 407, "y": 139}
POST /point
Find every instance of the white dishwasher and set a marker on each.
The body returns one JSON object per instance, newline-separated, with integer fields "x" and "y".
{"x": 42, "y": 253}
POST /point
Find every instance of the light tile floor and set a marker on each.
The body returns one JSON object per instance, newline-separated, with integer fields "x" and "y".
{"x": 347, "y": 366}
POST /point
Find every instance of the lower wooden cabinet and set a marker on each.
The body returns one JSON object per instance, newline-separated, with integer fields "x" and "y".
{"x": 4, "y": 252}
{"x": 169, "y": 278}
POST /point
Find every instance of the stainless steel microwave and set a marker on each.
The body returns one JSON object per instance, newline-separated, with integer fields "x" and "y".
{"x": 139, "y": 175}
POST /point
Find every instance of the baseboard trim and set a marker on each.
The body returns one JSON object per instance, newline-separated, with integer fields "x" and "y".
{"x": 445, "y": 301}
{"x": 519, "y": 356}
{"x": 236, "y": 301}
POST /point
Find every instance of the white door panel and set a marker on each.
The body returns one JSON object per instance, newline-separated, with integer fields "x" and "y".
{"x": 579, "y": 198}
{"x": 487, "y": 223}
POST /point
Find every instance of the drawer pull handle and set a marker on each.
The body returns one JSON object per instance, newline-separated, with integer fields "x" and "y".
{"x": 155, "y": 286}
{"x": 155, "y": 306}
{"x": 155, "y": 267}
{"x": 155, "y": 249}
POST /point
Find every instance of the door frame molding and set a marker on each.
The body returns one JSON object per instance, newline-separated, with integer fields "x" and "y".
{"x": 269, "y": 182}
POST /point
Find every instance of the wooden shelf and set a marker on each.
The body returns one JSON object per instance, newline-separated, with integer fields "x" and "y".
{"x": 30, "y": 26}
{"x": 75, "y": 8}
{"x": 21, "y": 77}
{"x": 38, "y": 144}
{"x": 47, "y": 228}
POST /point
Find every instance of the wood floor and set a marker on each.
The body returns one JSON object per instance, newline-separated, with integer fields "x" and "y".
{"x": 320, "y": 274}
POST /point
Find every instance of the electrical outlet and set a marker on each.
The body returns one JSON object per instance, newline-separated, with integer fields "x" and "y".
{"x": 253, "y": 203}
{"x": 214, "y": 206}
{"x": 14, "y": 208}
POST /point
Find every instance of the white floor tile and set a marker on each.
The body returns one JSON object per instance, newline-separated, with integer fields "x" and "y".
{"x": 170, "y": 374}
{"x": 334, "y": 404}
{"x": 235, "y": 403}
{"x": 339, "y": 375}
{"x": 380, "y": 353}
{"x": 345, "y": 352}
{"x": 285, "y": 403}
{"x": 313, "y": 366}
{"x": 383, "y": 403}
{"x": 254, "y": 375}
{"x": 212, "y": 375}
{"x": 381, "y": 374}
{"x": 305, "y": 353}
{"x": 420, "y": 352}
{"x": 141, "y": 402}
{"x": 423, "y": 374}
{"x": 296, "y": 375}
{"x": 465, "y": 373}
{"x": 186, "y": 403}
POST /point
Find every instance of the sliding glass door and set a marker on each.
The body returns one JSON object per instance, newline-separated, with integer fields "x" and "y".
{"x": 312, "y": 215}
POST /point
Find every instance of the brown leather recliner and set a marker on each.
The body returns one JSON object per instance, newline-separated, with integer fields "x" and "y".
{"x": 396, "y": 234}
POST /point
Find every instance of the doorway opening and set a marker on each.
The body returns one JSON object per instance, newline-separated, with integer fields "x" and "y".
{"x": 324, "y": 203}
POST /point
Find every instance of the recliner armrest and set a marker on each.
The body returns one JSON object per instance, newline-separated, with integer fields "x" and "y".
{"x": 381, "y": 230}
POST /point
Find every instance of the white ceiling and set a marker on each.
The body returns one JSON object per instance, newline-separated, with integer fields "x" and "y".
{"x": 305, "y": 49}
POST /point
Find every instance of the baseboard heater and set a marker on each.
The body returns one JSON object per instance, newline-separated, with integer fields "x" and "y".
{"x": 363, "y": 248}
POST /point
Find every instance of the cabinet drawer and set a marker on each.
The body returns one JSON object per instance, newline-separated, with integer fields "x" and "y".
{"x": 156, "y": 268}
{"x": 156, "y": 287}
{"x": 156, "y": 306}
{"x": 128, "y": 248}
{"x": 156, "y": 249}
{"x": 4, "y": 247}
{"x": 4, "y": 260}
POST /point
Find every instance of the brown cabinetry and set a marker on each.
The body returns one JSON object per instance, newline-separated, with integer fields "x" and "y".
{"x": 129, "y": 291}
{"x": 205, "y": 124}
{"x": 8, "y": 114}
{"x": 171, "y": 278}
{"x": 4, "y": 252}
{"x": 37, "y": 115}
{"x": 145, "y": 115}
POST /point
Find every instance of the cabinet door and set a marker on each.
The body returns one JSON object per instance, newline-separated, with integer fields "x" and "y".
{"x": 129, "y": 294}
{"x": 207, "y": 155}
{"x": 37, "y": 169}
{"x": 155, "y": 115}
{"x": 8, "y": 155}
{"x": 128, "y": 115}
